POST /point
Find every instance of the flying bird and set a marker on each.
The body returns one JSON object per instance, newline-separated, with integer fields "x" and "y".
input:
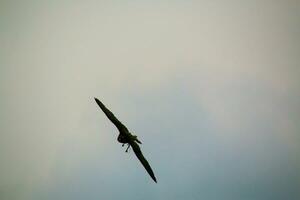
{"x": 125, "y": 137}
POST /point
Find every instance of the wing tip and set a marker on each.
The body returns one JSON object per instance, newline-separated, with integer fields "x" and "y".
{"x": 154, "y": 179}
{"x": 97, "y": 101}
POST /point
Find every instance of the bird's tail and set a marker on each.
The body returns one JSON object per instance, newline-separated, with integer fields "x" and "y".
{"x": 136, "y": 140}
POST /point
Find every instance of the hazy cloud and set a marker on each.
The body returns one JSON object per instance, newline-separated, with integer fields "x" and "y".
{"x": 211, "y": 88}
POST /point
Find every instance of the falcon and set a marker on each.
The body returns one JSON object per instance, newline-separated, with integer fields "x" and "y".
{"x": 125, "y": 137}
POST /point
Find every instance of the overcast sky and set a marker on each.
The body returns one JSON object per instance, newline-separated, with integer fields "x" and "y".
{"x": 211, "y": 88}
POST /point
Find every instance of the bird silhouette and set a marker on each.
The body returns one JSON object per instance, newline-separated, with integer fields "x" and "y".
{"x": 125, "y": 137}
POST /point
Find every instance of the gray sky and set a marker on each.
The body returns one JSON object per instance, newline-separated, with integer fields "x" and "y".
{"x": 212, "y": 89}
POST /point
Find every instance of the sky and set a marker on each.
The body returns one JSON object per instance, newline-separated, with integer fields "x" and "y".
{"x": 211, "y": 88}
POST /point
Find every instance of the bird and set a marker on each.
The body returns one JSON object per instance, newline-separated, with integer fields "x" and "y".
{"x": 126, "y": 137}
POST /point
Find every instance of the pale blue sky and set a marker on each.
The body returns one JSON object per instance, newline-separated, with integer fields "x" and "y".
{"x": 210, "y": 88}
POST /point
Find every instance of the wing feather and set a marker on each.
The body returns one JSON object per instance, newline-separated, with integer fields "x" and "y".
{"x": 110, "y": 116}
{"x": 143, "y": 160}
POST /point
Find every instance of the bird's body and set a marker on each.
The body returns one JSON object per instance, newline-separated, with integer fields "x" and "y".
{"x": 125, "y": 137}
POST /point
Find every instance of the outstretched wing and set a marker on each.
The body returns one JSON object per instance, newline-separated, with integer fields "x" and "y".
{"x": 110, "y": 116}
{"x": 143, "y": 160}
